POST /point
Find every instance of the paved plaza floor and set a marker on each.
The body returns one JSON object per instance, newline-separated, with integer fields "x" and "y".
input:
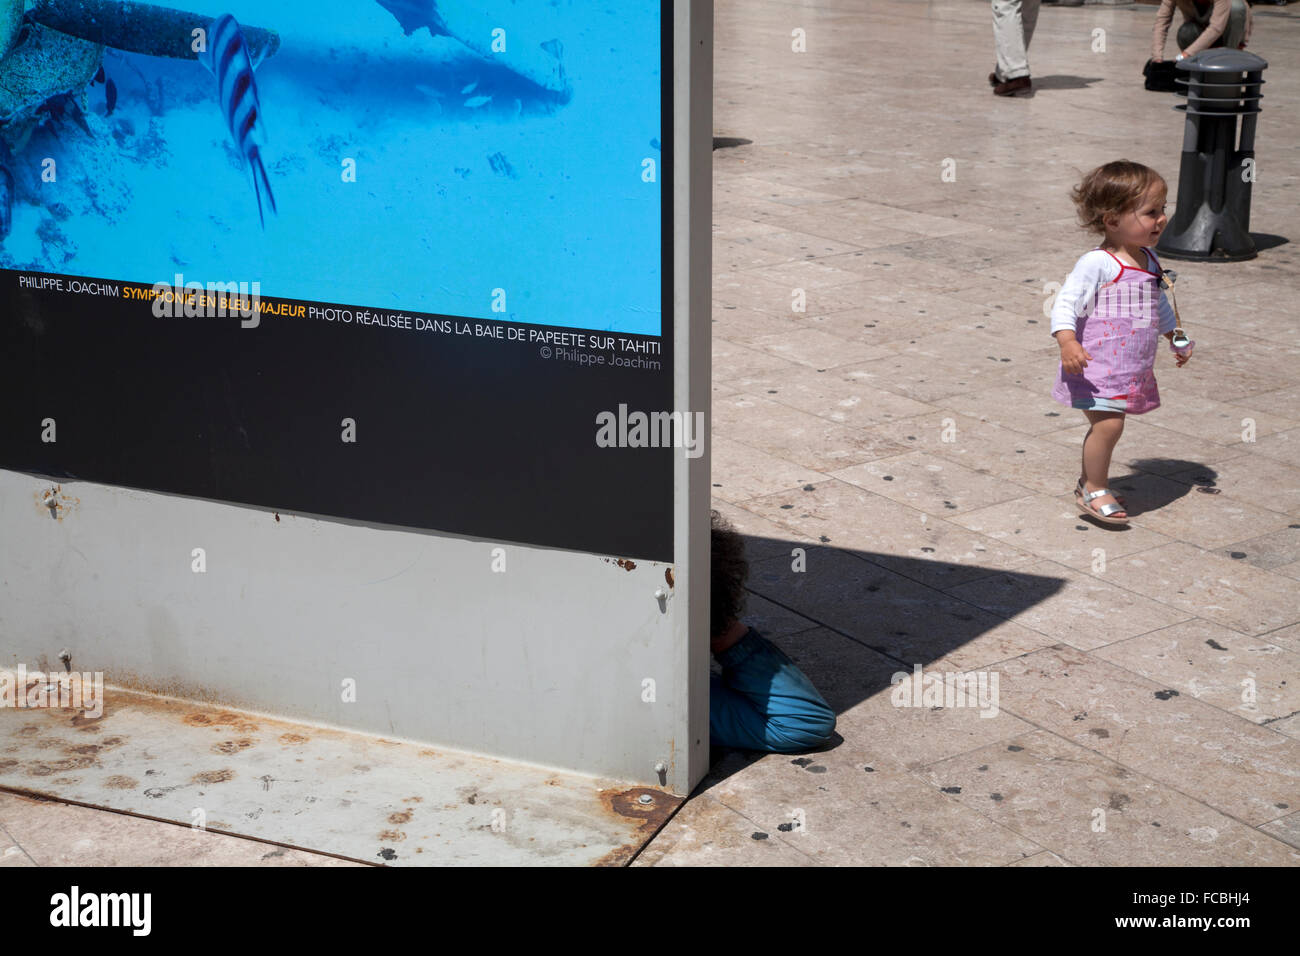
{"x": 901, "y": 432}
{"x": 903, "y": 478}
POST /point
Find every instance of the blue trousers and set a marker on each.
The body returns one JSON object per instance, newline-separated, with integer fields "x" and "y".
{"x": 762, "y": 701}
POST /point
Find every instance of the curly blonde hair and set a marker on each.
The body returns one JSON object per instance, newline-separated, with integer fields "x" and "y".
{"x": 1112, "y": 190}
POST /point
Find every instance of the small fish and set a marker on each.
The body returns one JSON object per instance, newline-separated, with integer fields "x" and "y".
{"x": 476, "y": 101}
{"x": 469, "y": 88}
{"x": 6, "y": 201}
{"x": 227, "y": 59}
{"x": 110, "y": 96}
{"x": 64, "y": 107}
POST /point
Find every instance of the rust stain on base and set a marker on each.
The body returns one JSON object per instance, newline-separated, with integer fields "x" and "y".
{"x": 627, "y": 805}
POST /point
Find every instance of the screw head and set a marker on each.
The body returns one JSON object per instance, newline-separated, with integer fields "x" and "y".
{"x": 645, "y": 798}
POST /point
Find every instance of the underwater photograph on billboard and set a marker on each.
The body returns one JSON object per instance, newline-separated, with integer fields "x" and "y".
{"x": 481, "y": 158}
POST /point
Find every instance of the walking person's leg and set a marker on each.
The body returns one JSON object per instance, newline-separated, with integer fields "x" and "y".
{"x": 1029, "y": 17}
{"x": 1098, "y": 446}
{"x": 1009, "y": 35}
{"x": 1011, "y": 78}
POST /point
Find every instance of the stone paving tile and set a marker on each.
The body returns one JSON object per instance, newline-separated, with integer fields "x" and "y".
{"x": 1061, "y": 796}
{"x": 707, "y": 833}
{"x": 1218, "y": 589}
{"x": 1231, "y": 383}
{"x": 42, "y": 828}
{"x": 1150, "y": 447}
{"x": 1289, "y": 726}
{"x": 763, "y": 538}
{"x": 1194, "y": 513}
{"x": 851, "y": 817}
{"x": 1258, "y": 481}
{"x": 1269, "y": 552}
{"x": 1281, "y": 446}
{"x": 1272, "y": 358}
{"x": 890, "y": 317}
{"x": 886, "y": 733}
{"x": 733, "y": 361}
{"x": 1083, "y": 610}
{"x": 1287, "y": 829}
{"x": 940, "y": 276}
{"x": 887, "y": 533}
{"x": 727, "y": 227}
{"x": 1046, "y": 858}
{"x": 1207, "y": 419}
{"x": 772, "y": 620}
{"x": 930, "y": 484}
{"x": 1289, "y": 570}
{"x": 741, "y": 472}
{"x": 796, "y": 436}
{"x": 1288, "y": 637}
{"x": 1019, "y": 409}
{"x": 742, "y": 326}
{"x": 11, "y": 854}
{"x": 866, "y": 215}
{"x": 840, "y": 396}
{"x": 1052, "y": 527}
{"x": 816, "y": 349}
{"x": 890, "y": 613}
{"x": 1173, "y": 738}
{"x": 1284, "y": 402}
{"x": 915, "y": 377}
{"x": 1246, "y": 676}
{"x": 1026, "y": 461}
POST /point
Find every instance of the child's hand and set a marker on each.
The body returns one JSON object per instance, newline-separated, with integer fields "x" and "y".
{"x": 1181, "y": 355}
{"x": 1073, "y": 357}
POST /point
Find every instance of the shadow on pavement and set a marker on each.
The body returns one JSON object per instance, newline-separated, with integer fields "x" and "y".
{"x": 1066, "y": 82}
{"x": 894, "y": 608}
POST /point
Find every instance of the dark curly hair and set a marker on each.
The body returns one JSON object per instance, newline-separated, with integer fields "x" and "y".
{"x": 728, "y": 571}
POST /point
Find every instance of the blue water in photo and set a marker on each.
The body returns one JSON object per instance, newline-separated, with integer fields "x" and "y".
{"x": 520, "y": 169}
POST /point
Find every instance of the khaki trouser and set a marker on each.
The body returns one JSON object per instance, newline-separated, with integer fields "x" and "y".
{"x": 1013, "y": 28}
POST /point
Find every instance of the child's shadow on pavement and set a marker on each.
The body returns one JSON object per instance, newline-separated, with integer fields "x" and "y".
{"x": 1158, "y": 482}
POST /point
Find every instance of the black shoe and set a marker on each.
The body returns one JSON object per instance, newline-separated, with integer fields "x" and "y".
{"x": 1020, "y": 86}
{"x": 993, "y": 79}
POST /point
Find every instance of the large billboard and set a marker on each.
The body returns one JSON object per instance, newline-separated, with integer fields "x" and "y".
{"x": 399, "y": 261}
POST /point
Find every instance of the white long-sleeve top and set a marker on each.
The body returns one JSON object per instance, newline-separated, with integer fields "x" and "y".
{"x": 1078, "y": 295}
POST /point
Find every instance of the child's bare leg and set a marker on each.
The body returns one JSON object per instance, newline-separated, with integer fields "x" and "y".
{"x": 1098, "y": 445}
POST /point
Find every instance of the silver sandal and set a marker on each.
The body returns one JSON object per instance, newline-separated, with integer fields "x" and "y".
{"x": 1104, "y": 512}
{"x": 1078, "y": 490}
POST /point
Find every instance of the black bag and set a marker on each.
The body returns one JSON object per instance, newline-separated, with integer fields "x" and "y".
{"x": 1160, "y": 76}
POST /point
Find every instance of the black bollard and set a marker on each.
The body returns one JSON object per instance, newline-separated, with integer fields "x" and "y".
{"x": 1212, "y": 220}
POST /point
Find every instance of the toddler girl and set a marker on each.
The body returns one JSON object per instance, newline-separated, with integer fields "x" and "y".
{"x": 1108, "y": 317}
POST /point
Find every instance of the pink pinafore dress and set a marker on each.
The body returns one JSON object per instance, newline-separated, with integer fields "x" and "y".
{"x": 1121, "y": 333}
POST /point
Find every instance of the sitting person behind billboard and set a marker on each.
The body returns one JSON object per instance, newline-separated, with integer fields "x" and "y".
{"x": 761, "y": 700}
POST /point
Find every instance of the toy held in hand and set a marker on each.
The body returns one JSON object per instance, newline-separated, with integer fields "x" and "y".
{"x": 1180, "y": 344}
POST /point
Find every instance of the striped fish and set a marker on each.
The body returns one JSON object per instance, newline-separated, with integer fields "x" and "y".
{"x": 227, "y": 59}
